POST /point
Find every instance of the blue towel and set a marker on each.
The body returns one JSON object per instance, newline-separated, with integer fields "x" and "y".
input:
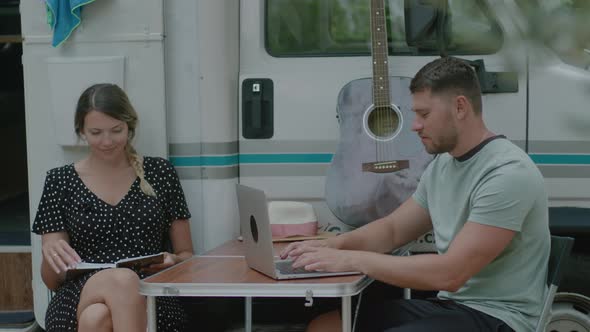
{"x": 64, "y": 17}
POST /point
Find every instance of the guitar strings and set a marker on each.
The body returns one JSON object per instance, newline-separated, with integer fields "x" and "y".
{"x": 382, "y": 123}
{"x": 376, "y": 119}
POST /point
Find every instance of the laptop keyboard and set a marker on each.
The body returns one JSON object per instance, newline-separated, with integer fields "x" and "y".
{"x": 286, "y": 267}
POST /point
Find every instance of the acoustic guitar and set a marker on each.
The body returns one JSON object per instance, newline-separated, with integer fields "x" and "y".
{"x": 379, "y": 160}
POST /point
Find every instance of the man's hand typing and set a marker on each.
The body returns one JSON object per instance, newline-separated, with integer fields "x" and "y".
{"x": 294, "y": 249}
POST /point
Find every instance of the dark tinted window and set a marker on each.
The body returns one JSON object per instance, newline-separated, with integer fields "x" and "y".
{"x": 342, "y": 27}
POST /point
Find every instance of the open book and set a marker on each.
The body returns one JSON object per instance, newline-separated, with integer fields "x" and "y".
{"x": 134, "y": 263}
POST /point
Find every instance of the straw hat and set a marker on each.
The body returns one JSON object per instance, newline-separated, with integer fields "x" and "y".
{"x": 289, "y": 218}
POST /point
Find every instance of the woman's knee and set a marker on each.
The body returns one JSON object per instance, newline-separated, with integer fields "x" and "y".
{"x": 115, "y": 280}
{"x": 109, "y": 283}
{"x": 124, "y": 279}
{"x": 96, "y": 317}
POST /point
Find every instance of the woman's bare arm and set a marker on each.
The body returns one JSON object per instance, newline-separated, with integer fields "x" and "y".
{"x": 58, "y": 255}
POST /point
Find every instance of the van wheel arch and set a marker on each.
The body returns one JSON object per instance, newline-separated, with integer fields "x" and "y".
{"x": 570, "y": 312}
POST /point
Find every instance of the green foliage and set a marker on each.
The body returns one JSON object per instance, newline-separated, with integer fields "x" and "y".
{"x": 350, "y": 23}
{"x": 563, "y": 25}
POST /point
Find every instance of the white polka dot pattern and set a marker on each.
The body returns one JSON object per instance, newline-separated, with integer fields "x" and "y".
{"x": 100, "y": 232}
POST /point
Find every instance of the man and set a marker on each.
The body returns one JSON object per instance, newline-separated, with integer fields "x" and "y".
{"x": 485, "y": 201}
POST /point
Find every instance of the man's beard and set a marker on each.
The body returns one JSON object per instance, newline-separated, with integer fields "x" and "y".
{"x": 445, "y": 143}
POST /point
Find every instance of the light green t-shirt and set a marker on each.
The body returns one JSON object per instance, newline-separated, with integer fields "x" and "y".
{"x": 498, "y": 185}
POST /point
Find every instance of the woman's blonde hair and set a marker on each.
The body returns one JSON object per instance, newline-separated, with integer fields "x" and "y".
{"x": 111, "y": 100}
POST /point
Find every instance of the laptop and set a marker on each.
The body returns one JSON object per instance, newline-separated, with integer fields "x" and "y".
{"x": 257, "y": 236}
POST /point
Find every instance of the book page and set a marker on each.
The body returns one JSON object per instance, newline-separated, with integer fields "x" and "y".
{"x": 84, "y": 267}
{"x": 141, "y": 261}
{"x": 93, "y": 266}
{"x": 132, "y": 263}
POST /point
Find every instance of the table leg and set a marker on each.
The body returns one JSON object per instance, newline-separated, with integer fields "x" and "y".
{"x": 248, "y": 318}
{"x": 346, "y": 314}
{"x": 151, "y": 314}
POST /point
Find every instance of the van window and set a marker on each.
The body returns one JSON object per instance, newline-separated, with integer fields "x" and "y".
{"x": 569, "y": 32}
{"x": 296, "y": 28}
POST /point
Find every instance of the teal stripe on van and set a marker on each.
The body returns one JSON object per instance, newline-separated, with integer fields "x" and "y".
{"x": 560, "y": 159}
{"x": 311, "y": 158}
{"x": 275, "y": 158}
{"x": 290, "y": 158}
{"x": 204, "y": 161}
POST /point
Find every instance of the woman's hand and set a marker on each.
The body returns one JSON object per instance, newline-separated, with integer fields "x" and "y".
{"x": 59, "y": 255}
{"x": 169, "y": 260}
{"x": 180, "y": 235}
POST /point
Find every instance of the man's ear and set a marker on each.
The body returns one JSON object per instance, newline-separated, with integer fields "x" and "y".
{"x": 462, "y": 107}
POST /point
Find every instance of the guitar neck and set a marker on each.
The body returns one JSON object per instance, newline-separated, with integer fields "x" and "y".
{"x": 379, "y": 53}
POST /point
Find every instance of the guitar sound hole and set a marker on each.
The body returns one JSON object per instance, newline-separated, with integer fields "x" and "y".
{"x": 383, "y": 122}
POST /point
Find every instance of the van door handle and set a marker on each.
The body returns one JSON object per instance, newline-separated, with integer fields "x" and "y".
{"x": 257, "y": 108}
{"x": 256, "y": 114}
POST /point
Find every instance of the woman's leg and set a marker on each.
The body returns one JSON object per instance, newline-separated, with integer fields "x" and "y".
{"x": 118, "y": 289}
{"x": 328, "y": 322}
{"x": 96, "y": 317}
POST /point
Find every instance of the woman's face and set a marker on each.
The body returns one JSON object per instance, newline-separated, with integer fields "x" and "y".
{"x": 106, "y": 136}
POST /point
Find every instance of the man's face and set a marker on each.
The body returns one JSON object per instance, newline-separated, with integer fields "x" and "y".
{"x": 434, "y": 121}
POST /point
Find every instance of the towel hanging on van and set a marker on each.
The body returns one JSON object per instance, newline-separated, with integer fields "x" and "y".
{"x": 64, "y": 16}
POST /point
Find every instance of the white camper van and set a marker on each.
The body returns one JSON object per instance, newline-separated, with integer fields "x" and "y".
{"x": 247, "y": 91}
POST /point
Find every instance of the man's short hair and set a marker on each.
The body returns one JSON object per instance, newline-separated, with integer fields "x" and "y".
{"x": 449, "y": 75}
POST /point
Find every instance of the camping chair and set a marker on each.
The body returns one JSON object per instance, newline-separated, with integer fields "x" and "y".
{"x": 560, "y": 251}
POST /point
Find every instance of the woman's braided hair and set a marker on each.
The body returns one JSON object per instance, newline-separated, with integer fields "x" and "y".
{"x": 111, "y": 100}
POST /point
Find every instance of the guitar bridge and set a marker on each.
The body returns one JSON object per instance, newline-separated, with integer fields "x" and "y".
{"x": 386, "y": 166}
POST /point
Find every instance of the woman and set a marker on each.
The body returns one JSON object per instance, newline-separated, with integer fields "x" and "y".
{"x": 111, "y": 205}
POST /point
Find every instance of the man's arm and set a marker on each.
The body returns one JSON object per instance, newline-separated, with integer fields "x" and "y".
{"x": 475, "y": 246}
{"x": 403, "y": 225}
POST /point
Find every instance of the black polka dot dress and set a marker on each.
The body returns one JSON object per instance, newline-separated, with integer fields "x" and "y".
{"x": 102, "y": 233}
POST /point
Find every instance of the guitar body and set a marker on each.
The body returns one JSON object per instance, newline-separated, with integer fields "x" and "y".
{"x": 357, "y": 197}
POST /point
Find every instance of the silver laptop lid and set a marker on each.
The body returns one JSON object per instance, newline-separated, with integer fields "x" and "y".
{"x": 255, "y": 228}
{"x": 257, "y": 235}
